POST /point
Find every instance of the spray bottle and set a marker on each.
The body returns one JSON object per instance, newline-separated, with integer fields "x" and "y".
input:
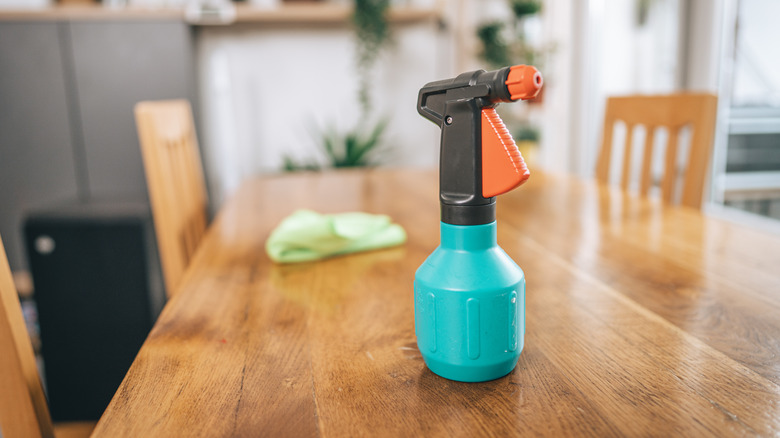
{"x": 469, "y": 295}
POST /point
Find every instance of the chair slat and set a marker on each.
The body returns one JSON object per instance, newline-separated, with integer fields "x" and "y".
{"x": 647, "y": 161}
{"x": 625, "y": 180}
{"x": 670, "y": 168}
{"x": 699, "y": 157}
{"x": 175, "y": 180}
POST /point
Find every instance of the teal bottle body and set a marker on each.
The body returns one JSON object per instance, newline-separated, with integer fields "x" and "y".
{"x": 469, "y": 306}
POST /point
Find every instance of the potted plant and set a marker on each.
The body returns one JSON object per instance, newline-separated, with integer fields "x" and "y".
{"x": 359, "y": 146}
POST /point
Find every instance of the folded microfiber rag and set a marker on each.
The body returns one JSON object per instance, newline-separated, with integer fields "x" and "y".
{"x": 307, "y": 235}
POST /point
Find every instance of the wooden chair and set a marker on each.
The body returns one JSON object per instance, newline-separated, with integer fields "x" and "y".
{"x": 24, "y": 411}
{"x": 672, "y": 112}
{"x": 174, "y": 176}
{"x": 23, "y": 408}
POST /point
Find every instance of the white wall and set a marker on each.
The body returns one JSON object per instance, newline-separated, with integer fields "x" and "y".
{"x": 704, "y": 39}
{"x": 561, "y": 22}
{"x": 757, "y": 63}
{"x": 266, "y": 92}
{"x": 601, "y": 50}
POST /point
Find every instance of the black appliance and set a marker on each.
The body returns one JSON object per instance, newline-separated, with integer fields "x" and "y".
{"x": 98, "y": 289}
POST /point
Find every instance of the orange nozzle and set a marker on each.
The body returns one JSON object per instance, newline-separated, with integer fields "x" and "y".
{"x": 523, "y": 82}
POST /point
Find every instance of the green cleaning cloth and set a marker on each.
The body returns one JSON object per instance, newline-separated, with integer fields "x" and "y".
{"x": 307, "y": 235}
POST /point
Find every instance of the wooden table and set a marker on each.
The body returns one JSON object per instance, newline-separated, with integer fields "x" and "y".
{"x": 641, "y": 320}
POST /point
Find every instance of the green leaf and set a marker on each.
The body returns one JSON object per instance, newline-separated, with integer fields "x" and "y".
{"x": 521, "y": 8}
{"x": 495, "y": 50}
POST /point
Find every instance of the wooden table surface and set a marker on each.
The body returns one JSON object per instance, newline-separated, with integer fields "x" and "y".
{"x": 641, "y": 320}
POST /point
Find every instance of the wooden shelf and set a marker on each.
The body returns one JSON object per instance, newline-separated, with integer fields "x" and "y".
{"x": 323, "y": 13}
{"x": 286, "y": 14}
{"x": 89, "y": 12}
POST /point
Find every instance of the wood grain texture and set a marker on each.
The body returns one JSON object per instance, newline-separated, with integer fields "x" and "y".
{"x": 642, "y": 319}
{"x": 671, "y": 112}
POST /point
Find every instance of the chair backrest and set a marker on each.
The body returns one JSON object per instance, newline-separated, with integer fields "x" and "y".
{"x": 175, "y": 179}
{"x": 672, "y": 112}
{"x": 23, "y": 408}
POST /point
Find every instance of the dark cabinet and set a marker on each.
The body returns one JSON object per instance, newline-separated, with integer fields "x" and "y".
{"x": 67, "y": 91}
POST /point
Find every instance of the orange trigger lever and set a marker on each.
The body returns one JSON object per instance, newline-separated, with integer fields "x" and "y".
{"x": 503, "y": 167}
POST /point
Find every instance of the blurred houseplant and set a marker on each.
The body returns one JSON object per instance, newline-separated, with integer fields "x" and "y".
{"x": 361, "y": 145}
{"x": 354, "y": 148}
{"x": 505, "y": 42}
